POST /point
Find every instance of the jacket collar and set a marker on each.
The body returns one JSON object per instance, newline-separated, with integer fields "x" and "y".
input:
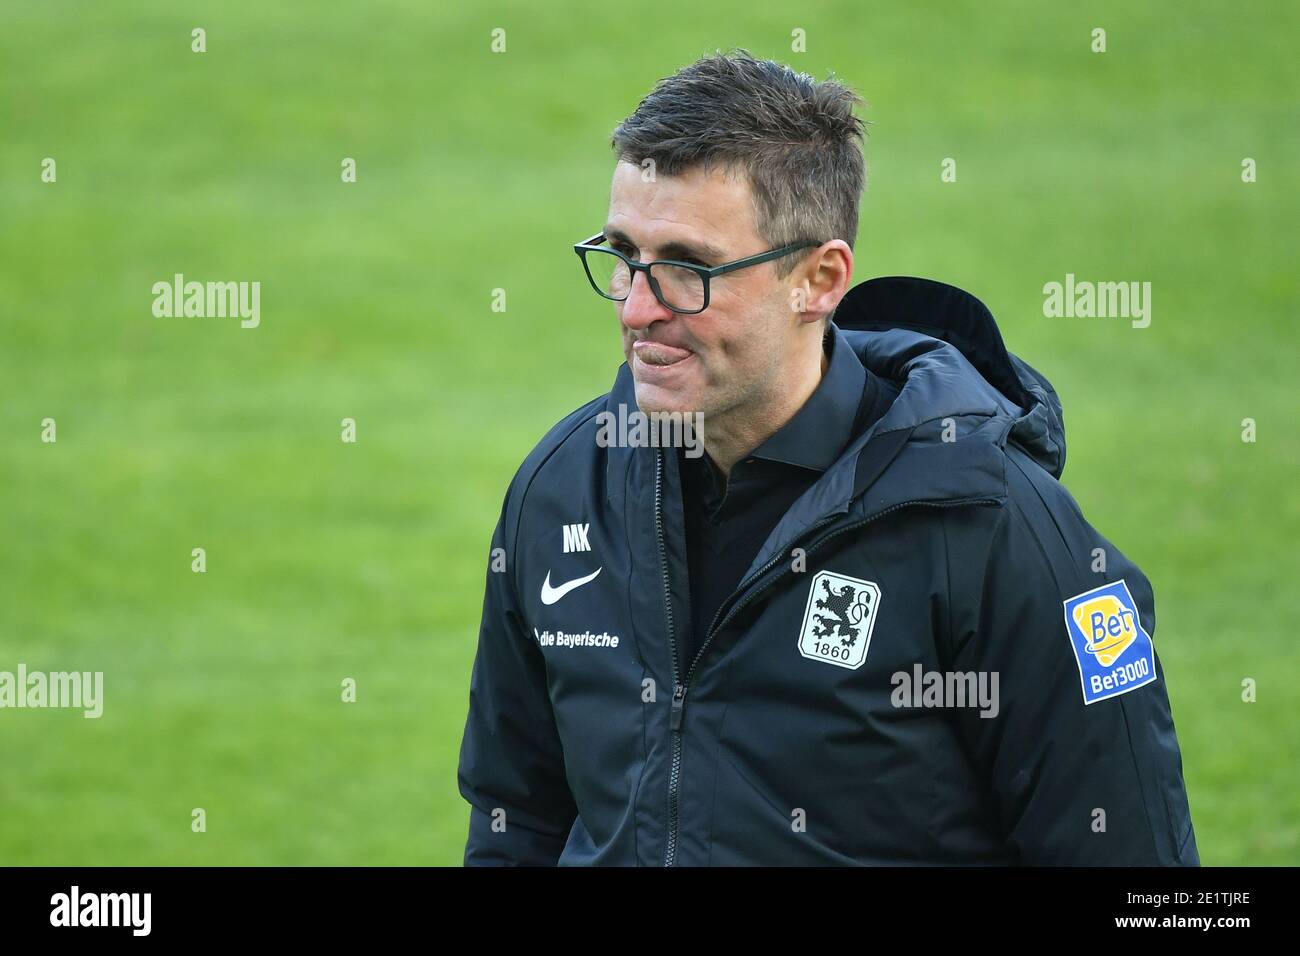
{"x": 941, "y": 441}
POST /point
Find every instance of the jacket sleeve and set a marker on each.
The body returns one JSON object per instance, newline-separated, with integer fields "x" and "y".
{"x": 1070, "y": 783}
{"x": 511, "y": 763}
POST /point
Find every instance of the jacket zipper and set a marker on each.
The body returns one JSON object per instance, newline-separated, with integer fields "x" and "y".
{"x": 681, "y": 685}
{"x": 679, "y": 688}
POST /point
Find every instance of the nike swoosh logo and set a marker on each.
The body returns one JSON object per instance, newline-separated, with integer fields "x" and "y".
{"x": 550, "y": 595}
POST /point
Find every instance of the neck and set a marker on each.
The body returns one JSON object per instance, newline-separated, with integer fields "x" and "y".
{"x": 743, "y": 429}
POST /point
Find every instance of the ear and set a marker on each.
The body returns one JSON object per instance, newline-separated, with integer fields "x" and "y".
{"x": 821, "y": 280}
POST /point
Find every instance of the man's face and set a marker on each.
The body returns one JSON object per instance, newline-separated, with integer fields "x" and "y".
{"x": 727, "y": 359}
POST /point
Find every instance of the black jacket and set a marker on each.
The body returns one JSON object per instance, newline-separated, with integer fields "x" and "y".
{"x": 939, "y": 553}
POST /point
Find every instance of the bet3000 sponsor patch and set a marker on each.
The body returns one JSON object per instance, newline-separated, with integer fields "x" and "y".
{"x": 1114, "y": 652}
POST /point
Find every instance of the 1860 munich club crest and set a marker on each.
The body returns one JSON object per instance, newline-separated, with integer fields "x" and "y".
{"x": 837, "y": 623}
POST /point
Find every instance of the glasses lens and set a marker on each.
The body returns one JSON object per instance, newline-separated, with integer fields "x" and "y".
{"x": 609, "y": 274}
{"x": 682, "y": 289}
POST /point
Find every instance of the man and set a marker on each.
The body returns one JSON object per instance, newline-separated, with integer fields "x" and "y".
{"x": 867, "y": 625}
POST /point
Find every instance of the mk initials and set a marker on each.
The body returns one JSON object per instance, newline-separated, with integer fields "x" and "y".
{"x": 575, "y": 538}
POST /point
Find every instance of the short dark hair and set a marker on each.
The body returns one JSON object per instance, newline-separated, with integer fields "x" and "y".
{"x": 797, "y": 139}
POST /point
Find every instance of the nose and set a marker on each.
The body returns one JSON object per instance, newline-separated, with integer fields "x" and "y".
{"x": 640, "y": 309}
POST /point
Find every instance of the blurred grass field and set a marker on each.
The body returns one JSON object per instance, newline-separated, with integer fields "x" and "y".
{"x": 477, "y": 171}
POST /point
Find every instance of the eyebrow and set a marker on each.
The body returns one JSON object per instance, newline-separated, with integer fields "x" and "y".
{"x": 676, "y": 249}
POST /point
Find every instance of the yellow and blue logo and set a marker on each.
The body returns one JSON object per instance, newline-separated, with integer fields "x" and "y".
{"x": 1114, "y": 652}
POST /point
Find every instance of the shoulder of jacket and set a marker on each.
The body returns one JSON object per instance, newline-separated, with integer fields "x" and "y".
{"x": 1035, "y": 512}
{"x": 563, "y": 439}
{"x": 1034, "y": 492}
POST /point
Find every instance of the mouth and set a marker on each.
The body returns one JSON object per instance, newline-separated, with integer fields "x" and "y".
{"x": 657, "y": 355}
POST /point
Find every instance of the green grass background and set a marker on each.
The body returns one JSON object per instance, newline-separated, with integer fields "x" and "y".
{"x": 477, "y": 171}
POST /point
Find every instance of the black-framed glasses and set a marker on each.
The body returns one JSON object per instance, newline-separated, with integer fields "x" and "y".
{"x": 680, "y": 286}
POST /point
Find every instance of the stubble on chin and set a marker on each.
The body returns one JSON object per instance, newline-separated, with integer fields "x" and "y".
{"x": 651, "y": 400}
